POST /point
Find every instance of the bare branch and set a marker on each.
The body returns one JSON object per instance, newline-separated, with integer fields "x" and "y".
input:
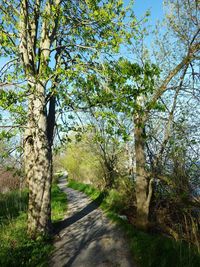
{"x": 185, "y": 62}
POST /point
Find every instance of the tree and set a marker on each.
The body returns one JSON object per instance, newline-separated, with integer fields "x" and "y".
{"x": 144, "y": 103}
{"x": 151, "y": 91}
{"x": 47, "y": 43}
{"x": 137, "y": 90}
{"x": 125, "y": 88}
{"x": 107, "y": 141}
{"x": 183, "y": 24}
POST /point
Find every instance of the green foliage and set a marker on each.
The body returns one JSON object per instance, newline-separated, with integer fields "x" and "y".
{"x": 114, "y": 200}
{"x": 104, "y": 32}
{"x": 115, "y": 93}
{"x": 6, "y": 135}
{"x": 148, "y": 250}
{"x": 81, "y": 162}
{"x": 122, "y": 196}
{"x": 16, "y": 248}
{"x": 95, "y": 157}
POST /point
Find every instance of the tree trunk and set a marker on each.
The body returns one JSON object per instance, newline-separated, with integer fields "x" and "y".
{"x": 38, "y": 165}
{"x": 110, "y": 177}
{"x": 143, "y": 185}
{"x": 40, "y": 126}
{"x": 110, "y": 172}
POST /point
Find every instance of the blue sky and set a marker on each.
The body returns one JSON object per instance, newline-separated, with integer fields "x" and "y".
{"x": 155, "y": 6}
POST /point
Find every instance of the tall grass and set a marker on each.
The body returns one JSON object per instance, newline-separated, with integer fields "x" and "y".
{"x": 16, "y": 248}
{"x": 12, "y": 204}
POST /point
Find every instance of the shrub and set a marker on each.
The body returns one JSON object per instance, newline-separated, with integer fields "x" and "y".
{"x": 82, "y": 164}
{"x": 9, "y": 180}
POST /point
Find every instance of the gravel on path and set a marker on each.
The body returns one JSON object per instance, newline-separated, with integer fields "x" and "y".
{"x": 86, "y": 238}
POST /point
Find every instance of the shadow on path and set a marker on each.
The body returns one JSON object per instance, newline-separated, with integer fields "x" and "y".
{"x": 59, "y": 226}
{"x": 87, "y": 238}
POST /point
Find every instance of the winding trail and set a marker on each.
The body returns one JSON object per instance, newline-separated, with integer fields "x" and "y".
{"x": 86, "y": 238}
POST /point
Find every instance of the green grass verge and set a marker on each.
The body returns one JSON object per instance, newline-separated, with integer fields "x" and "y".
{"x": 148, "y": 250}
{"x": 16, "y": 248}
{"x": 58, "y": 203}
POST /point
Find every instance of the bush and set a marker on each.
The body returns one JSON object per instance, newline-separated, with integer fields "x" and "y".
{"x": 82, "y": 163}
{"x": 9, "y": 180}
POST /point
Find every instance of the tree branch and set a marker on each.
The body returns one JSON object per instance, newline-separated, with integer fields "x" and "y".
{"x": 185, "y": 62}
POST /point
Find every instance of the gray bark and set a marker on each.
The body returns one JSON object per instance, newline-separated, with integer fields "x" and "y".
{"x": 143, "y": 184}
{"x": 38, "y": 165}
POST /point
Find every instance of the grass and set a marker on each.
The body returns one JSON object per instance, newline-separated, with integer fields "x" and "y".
{"x": 148, "y": 250}
{"x": 12, "y": 204}
{"x": 16, "y": 248}
{"x": 58, "y": 203}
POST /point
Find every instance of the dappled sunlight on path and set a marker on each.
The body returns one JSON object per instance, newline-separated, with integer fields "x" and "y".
{"x": 86, "y": 237}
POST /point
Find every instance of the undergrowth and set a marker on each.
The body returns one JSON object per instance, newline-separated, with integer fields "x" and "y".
{"x": 16, "y": 248}
{"x": 148, "y": 250}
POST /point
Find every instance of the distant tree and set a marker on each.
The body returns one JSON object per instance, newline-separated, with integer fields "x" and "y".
{"x": 107, "y": 134}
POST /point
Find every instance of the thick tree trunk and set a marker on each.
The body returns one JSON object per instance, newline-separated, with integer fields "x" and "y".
{"x": 34, "y": 47}
{"x": 143, "y": 185}
{"x": 38, "y": 165}
{"x": 39, "y": 211}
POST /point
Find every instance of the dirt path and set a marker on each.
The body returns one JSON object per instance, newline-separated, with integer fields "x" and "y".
{"x": 86, "y": 238}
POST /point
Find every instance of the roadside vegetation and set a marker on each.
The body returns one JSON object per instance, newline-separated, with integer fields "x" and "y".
{"x": 174, "y": 209}
{"x": 16, "y": 248}
{"x": 160, "y": 250}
